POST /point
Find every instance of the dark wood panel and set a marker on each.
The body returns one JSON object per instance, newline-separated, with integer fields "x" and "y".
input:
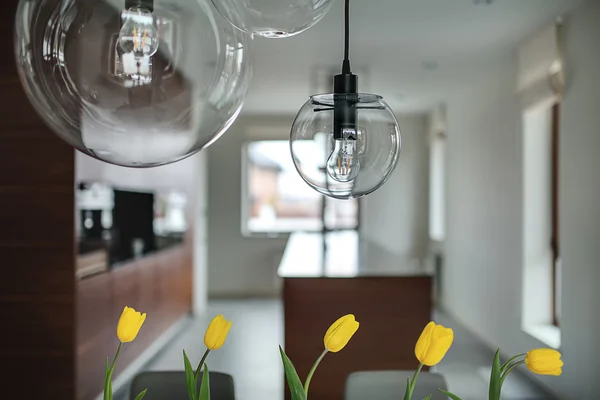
{"x": 392, "y": 313}
{"x": 125, "y": 292}
{"x": 90, "y": 371}
{"x": 97, "y": 324}
{"x": 37, "y": 327}
{"x": 155, "y": 285}
{"x": 37, "y": 266}
{"x": 19, "y": 115}
{"x": 43, "y": 151}
{"x": 49, "y": 382}
{"x": 39, "y": 215}
{"x": 95, "y": 308}
{"x": 37, "y": 285}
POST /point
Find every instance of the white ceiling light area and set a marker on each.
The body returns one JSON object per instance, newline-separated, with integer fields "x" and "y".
{"x": 412, "y": 52}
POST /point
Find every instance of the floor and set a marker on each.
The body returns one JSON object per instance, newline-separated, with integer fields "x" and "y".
{"x": 251, "y": 355}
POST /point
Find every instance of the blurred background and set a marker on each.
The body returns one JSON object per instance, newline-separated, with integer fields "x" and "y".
{"x": 489, "y": 224}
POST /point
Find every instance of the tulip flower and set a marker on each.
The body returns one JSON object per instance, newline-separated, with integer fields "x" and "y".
{"x": 340, "y": 332}
{"x": 214, "y": 338}
{"x": 544, "y": 362}
{"x": 540, "y": 361}
{"x": 217, "y": 332}
{"x": 432, "y": 346}
{"x": 129, "y": 325}
{"x": 336, "y": 338}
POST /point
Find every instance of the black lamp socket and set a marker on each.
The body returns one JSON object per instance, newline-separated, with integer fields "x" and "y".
{"x": 145, "y": 4}
{"x": 344, "y": 108}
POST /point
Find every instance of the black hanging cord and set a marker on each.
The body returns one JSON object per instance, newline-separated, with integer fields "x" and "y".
{"x": 346, "y": 64}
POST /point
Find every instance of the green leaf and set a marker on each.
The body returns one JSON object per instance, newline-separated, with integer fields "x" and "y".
{"x": 293, "y": 380}
{"x": 495, "y": 378}
{"x": 407, "y": 394}
{"x": 451, "y": 395}
{"x": 427, "y": 398}
{"x": 205, "y": 385}
{"x": 106, "y": 378}
{"x": 189, "y": 377}
{"x": 141, "y": 395}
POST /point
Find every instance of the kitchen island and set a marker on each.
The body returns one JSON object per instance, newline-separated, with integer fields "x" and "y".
{"x": 328, "y": 275}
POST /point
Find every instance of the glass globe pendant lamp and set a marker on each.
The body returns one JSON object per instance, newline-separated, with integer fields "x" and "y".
{"x": 345, "y": 144}
{"x": 273, "y": 18}
{"x": 137, "y": 83}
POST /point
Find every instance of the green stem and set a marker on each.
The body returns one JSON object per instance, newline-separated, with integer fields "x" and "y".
{"x": 116, "y": 356}
{"x": 312, "y": 371}
{"x": 506, "y": 364}
{"x": 107, "y": 387}
{"x": 201, "y": 364}
{"x": 414, "y": 380}
{"x": 515, "y": 365}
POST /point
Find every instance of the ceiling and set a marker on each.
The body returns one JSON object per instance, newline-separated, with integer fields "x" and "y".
{"x": 412, "y": 52}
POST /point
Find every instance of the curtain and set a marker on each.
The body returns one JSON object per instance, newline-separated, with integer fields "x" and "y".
{"x": 541, "y": 69}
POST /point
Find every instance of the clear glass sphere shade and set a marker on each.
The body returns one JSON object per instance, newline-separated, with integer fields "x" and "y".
{"x": 375, "y": 147}
{"x": 273, "y": 18}
{"x": 98, "y": 81}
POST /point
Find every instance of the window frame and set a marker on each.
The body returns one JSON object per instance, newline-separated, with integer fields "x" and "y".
{"x": 555, "y": 239}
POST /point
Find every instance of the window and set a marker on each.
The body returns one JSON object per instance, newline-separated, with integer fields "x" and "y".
{"x": 540, "y": 86}
{"x": 275, "y": 199}
{"x": 541, "y": 296}
{"x": 437, "y": 231}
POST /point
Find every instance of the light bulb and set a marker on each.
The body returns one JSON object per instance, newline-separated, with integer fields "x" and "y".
{"x": 343, "y": 164}
{"x": 138, "y": 35}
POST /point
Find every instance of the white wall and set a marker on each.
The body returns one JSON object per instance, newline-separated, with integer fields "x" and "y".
{"x": 396, "y": 215}
{"x": 239, "y": 265}
{"x": 483, "y": 271}
{"x": 482, "y": 275}
{"x": 580, "y": 205}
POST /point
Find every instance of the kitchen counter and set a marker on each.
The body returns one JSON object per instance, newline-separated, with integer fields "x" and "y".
{"x": 343, "y": 255}
{"x": 96, "y": 255}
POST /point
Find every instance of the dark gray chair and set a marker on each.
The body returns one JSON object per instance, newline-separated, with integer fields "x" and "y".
{"x": 390, "y": 385}
{"x": 170, "y": 385}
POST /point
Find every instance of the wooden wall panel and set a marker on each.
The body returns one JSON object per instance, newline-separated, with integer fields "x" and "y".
{"x": 95, "y": 308}
{"x": 392, "y": 313}
{"x": 156, "y": 285}
{"x": 37, "y": 284}
{"x": 37, "y": 245}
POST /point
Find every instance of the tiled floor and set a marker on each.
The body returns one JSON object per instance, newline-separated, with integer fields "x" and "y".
{"x": 251, "y": 355}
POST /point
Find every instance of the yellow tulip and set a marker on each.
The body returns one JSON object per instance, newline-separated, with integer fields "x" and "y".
{"x": 544, "y": 362}
{"x": 129, "y": 324}
{"x": 217, "y": 332}
{"x": 340, "y": 332}
{"x": 433, "y": 344}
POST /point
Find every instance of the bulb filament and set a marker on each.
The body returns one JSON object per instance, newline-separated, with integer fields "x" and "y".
{"x": 138, "y": 44}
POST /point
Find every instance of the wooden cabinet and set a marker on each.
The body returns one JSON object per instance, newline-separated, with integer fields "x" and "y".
{"x": 392, "y": 312}
{"x": 157, "y": 285}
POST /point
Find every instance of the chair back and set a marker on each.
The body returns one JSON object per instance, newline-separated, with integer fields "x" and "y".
{"x": 170, "y": 385}
{"x": 391, "y": 385}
